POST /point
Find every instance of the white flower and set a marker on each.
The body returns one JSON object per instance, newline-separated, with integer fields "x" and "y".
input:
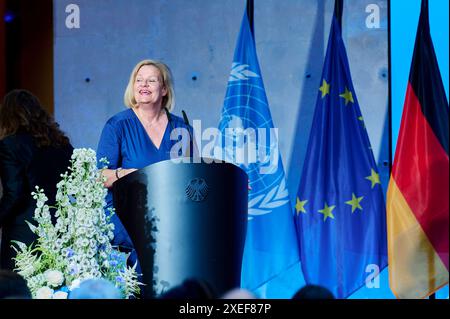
{"x": 85, "y": 264}
{"x": 90, "y": 253}
{"x": 80, "y": 231}
{"x": 54, "y": 277}
{"x": 84, "y": 242}
{"x": 75, "y": 284}
{"x": 27, "y": 270}
{"x": 44, "y": 293}
{"x": 65, "y": 238}
{"x": 58, "y": 243}
{"x": 60, "y": 295}
{"x": 89, "y": 198}
{"x": 81, "y": 201}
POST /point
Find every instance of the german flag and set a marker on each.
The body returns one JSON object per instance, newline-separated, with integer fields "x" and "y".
{"x": 418, "y": 193}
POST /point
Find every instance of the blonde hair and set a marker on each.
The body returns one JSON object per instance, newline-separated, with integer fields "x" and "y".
{"x": 168, "y": 100}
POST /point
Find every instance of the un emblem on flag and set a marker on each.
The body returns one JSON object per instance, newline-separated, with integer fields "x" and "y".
{"x": 197, "y": 189}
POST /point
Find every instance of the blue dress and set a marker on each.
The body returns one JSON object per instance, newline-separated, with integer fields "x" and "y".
{"x": 125, "y": 143}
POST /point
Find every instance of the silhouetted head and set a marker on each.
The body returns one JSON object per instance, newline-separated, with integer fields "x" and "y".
{"x": 21, "y": 111}
{"x": 190, "y": 289}
{"x": 238, "y": 293}
{"x": 313, "y": 292}
{"x": 97, "y": 288}
{"x": 13, "y": 286}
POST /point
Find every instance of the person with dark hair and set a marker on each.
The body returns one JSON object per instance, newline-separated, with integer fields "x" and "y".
{"x": 13, "y": 286}
{"x": 190, "y": 289}
{"x": 33, "y": 152}
{"x": 313, "y": 292}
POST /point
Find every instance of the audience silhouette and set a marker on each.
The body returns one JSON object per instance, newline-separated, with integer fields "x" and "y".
{"x": 13, "y": 286}
{"x": 313, "y": 292}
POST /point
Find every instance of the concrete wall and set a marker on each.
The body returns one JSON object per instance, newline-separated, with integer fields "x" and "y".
{"x": 196, "y": 38}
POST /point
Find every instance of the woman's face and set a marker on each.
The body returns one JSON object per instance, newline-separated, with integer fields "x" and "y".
{"x": 148, "y": 86}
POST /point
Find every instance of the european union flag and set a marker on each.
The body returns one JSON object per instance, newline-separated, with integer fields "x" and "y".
{"x": 246, "y": 125}
{"x": 341, "y": 222}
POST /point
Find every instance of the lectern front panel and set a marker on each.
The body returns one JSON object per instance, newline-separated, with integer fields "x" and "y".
{"x": 186, "y": 220}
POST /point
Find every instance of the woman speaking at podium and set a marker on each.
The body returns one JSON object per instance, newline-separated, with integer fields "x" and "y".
{"x": 140, "y": 135}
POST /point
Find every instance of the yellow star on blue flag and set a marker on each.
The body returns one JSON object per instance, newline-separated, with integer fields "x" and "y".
{"x": 374, "y": 178}
{"x": 325, "y": 88}
{"x": 355, "y": 202}
{"x": 347, "y": 95}
{"x": 327, "y": 211}
{"x": 300, "y": 206}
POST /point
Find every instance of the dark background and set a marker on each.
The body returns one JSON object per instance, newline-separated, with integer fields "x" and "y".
{"x": 26, "y": 46}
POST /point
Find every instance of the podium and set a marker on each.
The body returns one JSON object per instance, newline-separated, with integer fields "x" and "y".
{"x": 186, "y": 220}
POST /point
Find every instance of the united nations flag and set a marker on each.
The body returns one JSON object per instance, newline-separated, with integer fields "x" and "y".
{"x": 250, "y": 141}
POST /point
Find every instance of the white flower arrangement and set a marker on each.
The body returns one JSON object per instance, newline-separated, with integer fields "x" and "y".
{"x": 77, "y": 247}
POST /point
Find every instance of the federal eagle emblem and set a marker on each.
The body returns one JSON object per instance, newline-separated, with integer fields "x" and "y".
{"x": 197, "y": 189}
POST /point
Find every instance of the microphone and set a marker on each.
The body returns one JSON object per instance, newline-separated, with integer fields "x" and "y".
{"x": 191, "y": 143}
{"x": 169, "y": 117}
{"x": 185, "y": 118}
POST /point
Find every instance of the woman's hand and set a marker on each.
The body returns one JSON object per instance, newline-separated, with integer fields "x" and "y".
{"x": 113, "y": 175}
{"x": 110, "y": 175}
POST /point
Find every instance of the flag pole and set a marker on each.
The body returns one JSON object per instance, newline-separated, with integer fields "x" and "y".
{"x": 338, "y": 8}
{"x": 250, "y": 14}
{"x": 425, "y": 15}
{"x": 390, "y": 141}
